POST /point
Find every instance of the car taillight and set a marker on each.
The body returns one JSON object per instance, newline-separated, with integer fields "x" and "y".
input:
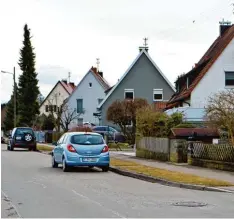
{"x": 105, "y": 149}
{"x": 71, "y": 148}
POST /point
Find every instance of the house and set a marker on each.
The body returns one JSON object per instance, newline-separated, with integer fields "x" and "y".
{"x": 60, "y": 92}
{"x": 143, "y": 79}
{"x": 205, "y": 135}
{"x": 213, "y": 73}
{"x": 88, "y": 94}
{"x": 196, "y": 116}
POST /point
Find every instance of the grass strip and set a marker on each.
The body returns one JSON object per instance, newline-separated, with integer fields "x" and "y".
{"x": 167, "y": 174}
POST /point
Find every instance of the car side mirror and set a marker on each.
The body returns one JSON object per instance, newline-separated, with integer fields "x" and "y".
{"x": 55, "y": 143}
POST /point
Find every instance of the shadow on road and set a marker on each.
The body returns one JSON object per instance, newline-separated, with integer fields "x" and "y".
{"x": 72, "y": 170}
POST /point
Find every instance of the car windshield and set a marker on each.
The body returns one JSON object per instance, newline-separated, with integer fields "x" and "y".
{"x": 87, "y": 139}
{"x": 22, "y": 131}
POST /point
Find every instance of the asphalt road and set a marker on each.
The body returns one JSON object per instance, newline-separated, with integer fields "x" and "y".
{"x": 34, "y": 189}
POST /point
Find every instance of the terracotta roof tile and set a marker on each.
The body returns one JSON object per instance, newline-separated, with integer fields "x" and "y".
{"x": 203, "y": 66}
{"x": 68, "y": 86}
{"x": 104, "y": 83}
{"x": 160, "y": 105}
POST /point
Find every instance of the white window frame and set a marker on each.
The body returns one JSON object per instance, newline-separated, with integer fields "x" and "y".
{"x": 128, "y": 91}
{"x": 157, "y": 91}
{"x": 91, "y": 84}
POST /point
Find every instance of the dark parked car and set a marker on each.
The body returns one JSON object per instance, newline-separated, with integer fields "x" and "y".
{"x": 112, "y": 133}
{"x": 22, "y": 137}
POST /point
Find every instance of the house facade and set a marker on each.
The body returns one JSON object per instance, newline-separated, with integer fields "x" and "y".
{"x": 213, "y": 73}
{"x": 143, "y": 79}
{"x": 88, "y": 94}
{"x": 60, "y": 92}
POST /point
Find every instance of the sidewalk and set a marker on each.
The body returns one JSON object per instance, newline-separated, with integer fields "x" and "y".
{"x": 198, "y": 171}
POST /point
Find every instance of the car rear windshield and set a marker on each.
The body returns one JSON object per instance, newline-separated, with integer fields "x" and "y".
{"x": 88, "y": 139}
{"x": 22, "y": 131}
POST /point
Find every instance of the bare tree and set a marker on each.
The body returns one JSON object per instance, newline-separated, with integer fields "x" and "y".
{"x": 67, "y": 115}
{"x": 63, "y": 114}
{"x": 220, "y": 112}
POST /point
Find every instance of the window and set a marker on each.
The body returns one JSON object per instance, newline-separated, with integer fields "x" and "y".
{"x": 60, "y": 141}
{"x": 129, "y": 94}
{"x": 46, "y": 108}
{"x": 229, "y": 78}
{"x": 79, "y": 105}
{"x": 90, "y": 84}
{"x": 55, "y": 108}
{"x": 87, "y": 139}
{"x": 22, "y": 131}
{"x": 99, "y": 100}
{"x": 50, "y": 108}
{"x": 157, "y": 94}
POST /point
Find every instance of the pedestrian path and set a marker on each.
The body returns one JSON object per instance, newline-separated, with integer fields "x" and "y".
{"x": 199, "y": 171}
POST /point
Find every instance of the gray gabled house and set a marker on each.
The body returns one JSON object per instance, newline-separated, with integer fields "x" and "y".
{"x": 143, "y": 79}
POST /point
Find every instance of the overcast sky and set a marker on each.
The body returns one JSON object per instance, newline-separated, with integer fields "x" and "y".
{"x": 68, "y": 35}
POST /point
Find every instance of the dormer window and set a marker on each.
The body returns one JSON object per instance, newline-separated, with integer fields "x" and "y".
{"x": 90, "y": 84}
{"x": 187, "y": 82}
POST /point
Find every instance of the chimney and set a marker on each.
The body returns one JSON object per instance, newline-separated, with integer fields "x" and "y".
{"x": 64, "y": 80}
{"x": 224, "y": 25}
{"x": 100, "y": 73}
{"x": 94, "y": 69}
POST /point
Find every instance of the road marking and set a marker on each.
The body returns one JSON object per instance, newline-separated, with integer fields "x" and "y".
{"x": 41, "y": 184}
{"x": 16, "y": 210}
{"x": 99, "y": 204}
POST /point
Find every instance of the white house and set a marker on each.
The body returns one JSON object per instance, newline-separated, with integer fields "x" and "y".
{"x": 213, "y": 73}
{"x": 60, "y": 92}
{"x": 88, "y": 94}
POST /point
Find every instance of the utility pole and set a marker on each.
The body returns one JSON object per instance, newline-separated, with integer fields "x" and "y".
{"x": 5, "y": 72}
{"x": 14, "y": 98}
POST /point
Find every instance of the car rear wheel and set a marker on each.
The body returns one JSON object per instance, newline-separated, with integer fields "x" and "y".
{"x": 65, "y": 167}
{"x": 54, "y": 163}
{"x": 105, "y": 169}
{"x": 11, "y": 148}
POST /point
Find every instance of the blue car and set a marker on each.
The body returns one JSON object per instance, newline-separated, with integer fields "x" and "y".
{"x": 81, "y": 149}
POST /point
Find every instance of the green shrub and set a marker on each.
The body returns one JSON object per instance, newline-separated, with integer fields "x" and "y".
{"x": 155, "y": 123}
{"x": 56, "y": 136}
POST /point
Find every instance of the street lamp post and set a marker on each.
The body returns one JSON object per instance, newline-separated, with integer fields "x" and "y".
{"x": 5, "y": 72}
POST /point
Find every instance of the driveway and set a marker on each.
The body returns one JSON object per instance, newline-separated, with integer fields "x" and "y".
{"x": 37, "y": 190}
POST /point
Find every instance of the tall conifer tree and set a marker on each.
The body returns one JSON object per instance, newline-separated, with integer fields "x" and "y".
{"x": 28, "y": 82}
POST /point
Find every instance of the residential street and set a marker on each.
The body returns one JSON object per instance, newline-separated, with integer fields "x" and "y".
{"x": 37, "y": 190}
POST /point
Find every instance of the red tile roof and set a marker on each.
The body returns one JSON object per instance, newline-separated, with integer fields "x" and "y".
{"x": 160, "y": 105}
{"x": 203, "y": 66}
{"x": 69, "y": 87}
{"x": 103, "y": 82}
{"x": 185, "y": 132}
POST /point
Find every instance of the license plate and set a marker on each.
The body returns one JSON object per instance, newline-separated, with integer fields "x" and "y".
{"x": 89, "y": 159}
{"x": 18, "y": 138}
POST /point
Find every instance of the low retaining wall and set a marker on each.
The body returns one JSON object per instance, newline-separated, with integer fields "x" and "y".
{"x": 219, "y": 165}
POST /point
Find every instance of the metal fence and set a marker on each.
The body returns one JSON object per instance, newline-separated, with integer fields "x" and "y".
{"x": 215, "y": 152}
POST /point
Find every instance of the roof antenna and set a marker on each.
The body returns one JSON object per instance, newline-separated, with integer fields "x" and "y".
{"x": 145, "y": 45}
{"x": 98, "y": 62}
{"x": 69, "y": 77}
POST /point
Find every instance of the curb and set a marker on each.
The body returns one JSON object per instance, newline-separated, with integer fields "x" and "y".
{"x": 158, "y": 180}
{"x": 166, "y": 182}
